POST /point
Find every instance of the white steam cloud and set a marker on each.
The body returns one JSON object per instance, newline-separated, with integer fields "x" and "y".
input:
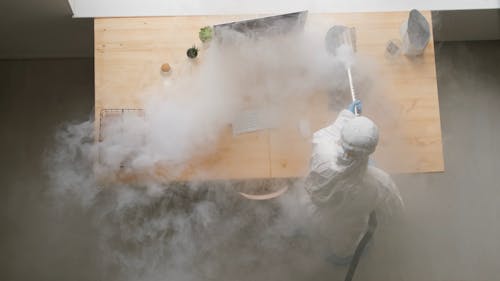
{"x": 153, "y": 230}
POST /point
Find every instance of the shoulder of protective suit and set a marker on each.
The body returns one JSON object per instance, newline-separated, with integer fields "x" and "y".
{"x": 390, "y": 202}
{"x": 378, "y": 176}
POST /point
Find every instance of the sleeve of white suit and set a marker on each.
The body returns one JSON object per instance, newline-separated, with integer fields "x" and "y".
{"x": 324, "y": 144}
{"x": 325, "y": 150}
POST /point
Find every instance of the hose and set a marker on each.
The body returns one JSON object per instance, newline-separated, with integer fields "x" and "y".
{"x": 372, "y": 225}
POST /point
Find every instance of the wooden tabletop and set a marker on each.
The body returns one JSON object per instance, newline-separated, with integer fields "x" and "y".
{"x": 404, "y": 103}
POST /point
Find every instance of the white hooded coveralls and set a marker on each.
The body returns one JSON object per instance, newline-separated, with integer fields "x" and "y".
{"x": 343, "y": 189}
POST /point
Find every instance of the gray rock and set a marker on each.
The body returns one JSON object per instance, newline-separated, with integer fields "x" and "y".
{"x": 415, "y": 34}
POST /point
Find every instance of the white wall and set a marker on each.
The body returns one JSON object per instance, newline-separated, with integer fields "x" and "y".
{"x": 41, "y": 29}
{"x": 455, "y": 20}
{"x": 115, "y": 8}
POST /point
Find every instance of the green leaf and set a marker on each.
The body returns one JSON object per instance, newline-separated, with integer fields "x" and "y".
{"x": 206, "y": 34}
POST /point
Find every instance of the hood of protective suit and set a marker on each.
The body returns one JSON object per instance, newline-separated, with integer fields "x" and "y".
{"x": 359, "y": 135}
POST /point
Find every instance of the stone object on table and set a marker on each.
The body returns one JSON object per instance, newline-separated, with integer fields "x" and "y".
{"x": 415, "y": 34}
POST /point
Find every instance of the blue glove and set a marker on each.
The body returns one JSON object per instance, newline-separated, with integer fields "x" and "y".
{"x": 355, "y": 104}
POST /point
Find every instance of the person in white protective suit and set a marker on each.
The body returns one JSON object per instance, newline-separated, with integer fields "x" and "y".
{"x": 343, "y": 188}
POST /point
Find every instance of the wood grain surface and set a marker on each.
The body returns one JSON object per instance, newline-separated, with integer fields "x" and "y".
{"x": 402, "y": 100}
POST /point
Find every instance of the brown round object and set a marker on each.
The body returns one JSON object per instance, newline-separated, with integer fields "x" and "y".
{"x": 165, "y": 67}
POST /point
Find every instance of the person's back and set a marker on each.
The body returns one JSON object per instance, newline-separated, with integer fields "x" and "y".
{"x": 343, "y": 188}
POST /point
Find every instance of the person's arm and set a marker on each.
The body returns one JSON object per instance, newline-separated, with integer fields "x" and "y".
{"x": 324, "y": 154}
{"x": 326, "y": 142}
{"x": 332, "y": 132}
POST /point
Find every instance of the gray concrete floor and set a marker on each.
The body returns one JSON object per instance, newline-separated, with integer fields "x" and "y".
{"x": 37, "y": 242}
{"x": 452, "y": 227}
{"x": 453, "y": 218}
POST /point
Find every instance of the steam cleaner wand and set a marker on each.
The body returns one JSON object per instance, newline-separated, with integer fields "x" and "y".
{"x": 336, "y": 37}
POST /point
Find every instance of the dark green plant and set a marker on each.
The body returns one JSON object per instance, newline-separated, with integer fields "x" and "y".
{"x": 192, "y": 52}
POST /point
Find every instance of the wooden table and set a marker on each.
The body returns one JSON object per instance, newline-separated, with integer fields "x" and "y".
{"x": 404, "y": 103}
